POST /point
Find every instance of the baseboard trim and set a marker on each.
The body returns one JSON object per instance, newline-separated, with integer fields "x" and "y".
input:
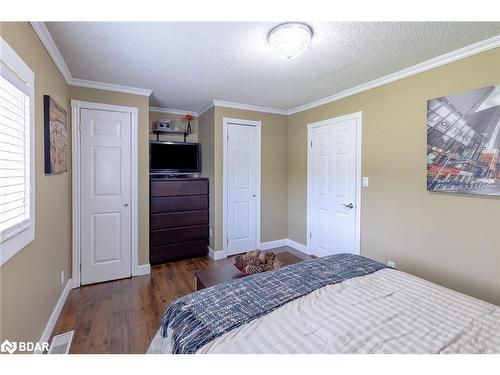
{"x": 221, "y": 254}
{"x": 49, "y": 327}
{"x": 284, "y": 242}
{"x": 297, "y": 246}
{"x": 273, "y": 244}
{"x": 142, "y": 269}
{"x": 216, "y": 255}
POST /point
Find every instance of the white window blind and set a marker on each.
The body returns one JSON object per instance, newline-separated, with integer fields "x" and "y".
{"x": 15, "y": 184}
{"x": 17, "y": 153}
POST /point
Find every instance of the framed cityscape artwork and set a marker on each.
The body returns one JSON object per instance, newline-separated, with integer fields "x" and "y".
{"x": 463, "y": 142}
{"x": 55, "y": 137}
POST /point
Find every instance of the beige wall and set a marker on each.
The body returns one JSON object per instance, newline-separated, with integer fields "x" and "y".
{"x": 177, "y": 121}
{"x": 142, "y": 103}
{"x": 273, "y": 173}
{"x": 30, "y": 282}
{"x": 449, "y": 239}
{"x": 206, "y": 137}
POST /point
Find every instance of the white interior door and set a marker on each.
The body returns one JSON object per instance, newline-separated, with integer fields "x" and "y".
{"x": 333, "y": 203}
{"x": 321, "y": 190}
{"x": 105, "y": 194}
{"x": 242, "y": 179}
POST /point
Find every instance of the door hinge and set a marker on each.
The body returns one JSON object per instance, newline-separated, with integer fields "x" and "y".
{"x": 311, "y": 143}
{"x": 227, "y": 241}
{"x": 227, "y": 137}
{"x": 310, "y": 235}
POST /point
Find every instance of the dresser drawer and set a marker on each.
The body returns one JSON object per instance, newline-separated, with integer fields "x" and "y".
{"x": 178, "y": 219}
{"x": 167, "y": 236}
{"x": 171, "y": 188}
{"x": 182, "y": 203}
{"x": 166, "y": 253}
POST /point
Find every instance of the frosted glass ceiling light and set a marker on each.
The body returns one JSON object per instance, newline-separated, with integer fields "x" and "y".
{"x": 290, "y": 39}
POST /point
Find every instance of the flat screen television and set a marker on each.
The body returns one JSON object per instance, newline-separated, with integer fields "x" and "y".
{"x": 174, "y": 157}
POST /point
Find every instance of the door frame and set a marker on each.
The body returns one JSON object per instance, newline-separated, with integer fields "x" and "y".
{"x": 258, "y": 124}
{"x": 76, "y": 106}
{"x": 358, "y": 116}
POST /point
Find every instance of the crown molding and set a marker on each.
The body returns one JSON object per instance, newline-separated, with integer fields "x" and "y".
{"x": 248, "y": 107}
{"x": 407, "y": 72}
{"x": 47, "y": 40}
{"x": 51, "y": 47}
{"x": 110, "y": 87}
{"x": 438, "y": 61}
{"x": 172, "y": 111}
{"x": 207, "y": 108}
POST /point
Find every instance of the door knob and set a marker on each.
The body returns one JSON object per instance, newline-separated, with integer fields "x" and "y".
{"x": 350, "y": 205}
{"x": 125, "y": 205}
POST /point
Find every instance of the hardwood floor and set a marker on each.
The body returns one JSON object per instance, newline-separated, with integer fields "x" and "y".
{"x": 122, "y": 316}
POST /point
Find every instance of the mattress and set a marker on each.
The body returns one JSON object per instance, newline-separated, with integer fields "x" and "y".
{"x": 387, "y": 311}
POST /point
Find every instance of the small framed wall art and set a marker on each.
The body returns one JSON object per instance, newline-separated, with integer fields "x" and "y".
{"x": 55, "y": 137}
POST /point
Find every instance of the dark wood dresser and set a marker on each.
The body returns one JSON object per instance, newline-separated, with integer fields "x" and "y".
{"x": 178, "y": 219}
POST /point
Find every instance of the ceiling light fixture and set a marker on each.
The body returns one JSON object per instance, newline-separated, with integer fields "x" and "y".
{"x": 290, "y": 40}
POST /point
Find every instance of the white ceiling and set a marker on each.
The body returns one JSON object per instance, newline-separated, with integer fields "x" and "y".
{"x": 187, "y": 65}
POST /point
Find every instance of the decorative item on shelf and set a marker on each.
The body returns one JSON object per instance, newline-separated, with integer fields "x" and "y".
{"x": 55, "y": 137}
{"x": 257, "y": 261}
{"x": 188, "y": 118}
{"x": 163, "y": 125}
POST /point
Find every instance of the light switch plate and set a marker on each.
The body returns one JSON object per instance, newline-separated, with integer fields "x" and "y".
{"x": 365, "y": 182}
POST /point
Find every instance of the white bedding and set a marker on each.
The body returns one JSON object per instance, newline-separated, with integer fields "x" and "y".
{"x": 385, "y": 312}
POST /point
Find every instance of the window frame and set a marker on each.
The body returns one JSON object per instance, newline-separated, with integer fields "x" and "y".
{"x": 17, "y": 72}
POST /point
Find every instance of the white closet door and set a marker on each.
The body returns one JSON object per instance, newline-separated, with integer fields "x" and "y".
{"x": 242, "y": 169}
{"x": 105, "y": 195}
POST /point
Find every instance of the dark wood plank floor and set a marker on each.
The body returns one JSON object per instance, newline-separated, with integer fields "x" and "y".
{"x": 122, "y": 316}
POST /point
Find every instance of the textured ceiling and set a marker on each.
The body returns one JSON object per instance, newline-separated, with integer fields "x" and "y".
{"x": 190, "y": 64}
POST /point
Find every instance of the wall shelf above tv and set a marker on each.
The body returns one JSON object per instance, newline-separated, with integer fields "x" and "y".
{"x": 158, "y": 132}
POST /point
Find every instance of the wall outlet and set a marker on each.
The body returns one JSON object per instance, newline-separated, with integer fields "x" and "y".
{"x": 62, "y": 277}
{"x": 365, "y": 182}
{"x": 391, "y": 264}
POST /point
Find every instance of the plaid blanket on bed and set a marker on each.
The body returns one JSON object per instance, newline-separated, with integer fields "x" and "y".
{"x": 198, "y": 318}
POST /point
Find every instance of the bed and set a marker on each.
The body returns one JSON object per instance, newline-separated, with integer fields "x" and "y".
{"x": 338, "y": 304}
